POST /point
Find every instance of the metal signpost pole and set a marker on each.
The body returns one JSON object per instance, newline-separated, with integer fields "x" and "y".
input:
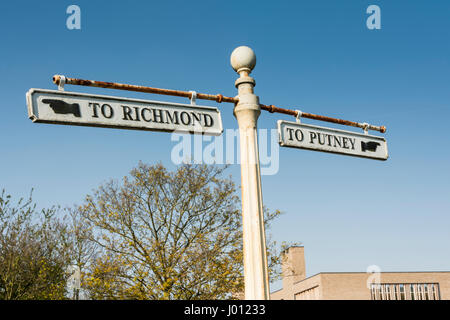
{"x": 247, "y": 111}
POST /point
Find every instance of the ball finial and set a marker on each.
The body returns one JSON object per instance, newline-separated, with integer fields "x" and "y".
{"x": 243, "y": 59}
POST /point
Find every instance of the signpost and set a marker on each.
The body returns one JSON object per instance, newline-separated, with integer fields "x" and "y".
{"x": 247, "y": 111}
{"x": 305, "y": 136}
{"x": 73, "y": 108}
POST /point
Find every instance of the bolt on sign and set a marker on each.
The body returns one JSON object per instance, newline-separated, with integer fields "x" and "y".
{"x": 305, "y": 136}
{"x": 73, "y": 108}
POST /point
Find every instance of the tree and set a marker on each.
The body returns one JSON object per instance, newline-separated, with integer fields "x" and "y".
{"x": 167, "y": 235}
{"x": 33, "y": 251}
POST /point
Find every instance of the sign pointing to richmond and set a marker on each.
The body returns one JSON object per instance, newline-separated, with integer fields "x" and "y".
{"x": 72, "y": 108}
{"x": 303, "y": 136}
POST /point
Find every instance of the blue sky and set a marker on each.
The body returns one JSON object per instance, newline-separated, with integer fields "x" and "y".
{"x": 317, "y": 56}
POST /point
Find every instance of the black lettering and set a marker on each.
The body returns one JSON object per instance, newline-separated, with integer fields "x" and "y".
{"x": 136, "y": 112}
{"x": 312, "y": 136}
{"x": 338, "y": 140}
{"x": 126, "y": 113}
{"x": 196, "y": 117}
{"x": 320, "y": 140}
{"x": 344, "y": 143}
{"x": 183, "y": 116}
{"x": 143, "y": 110}
{"x": 172, "y": 118}
{"x": 329, "y": 140}
{"x": 209, "y": 121}
{"x": 301, "y": 135}
{"x": 107, "y": 111}
{"x": 352, "y": 141}
{"x": 94, "y": 109}
{"x": 290, "y": 130}
{"x": 157, "y": 116}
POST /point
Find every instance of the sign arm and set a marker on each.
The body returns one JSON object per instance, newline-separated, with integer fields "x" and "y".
{"x": 212, "y": 97}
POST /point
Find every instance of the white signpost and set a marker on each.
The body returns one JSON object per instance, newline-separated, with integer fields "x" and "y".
{"x": 73, "y": 108}
{"x": 305, "y": 136}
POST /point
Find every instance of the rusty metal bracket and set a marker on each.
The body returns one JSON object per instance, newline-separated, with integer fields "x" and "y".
{"x": 365, "y": 127}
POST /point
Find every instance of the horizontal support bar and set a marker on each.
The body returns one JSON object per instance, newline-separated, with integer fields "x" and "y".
{"x": 294, "y": 113}
{"x": 129, "y": 87}
{"x": 212, "y": 97}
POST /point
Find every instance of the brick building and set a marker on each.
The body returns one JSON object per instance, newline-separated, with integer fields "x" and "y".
{"x": 357, "y": 285}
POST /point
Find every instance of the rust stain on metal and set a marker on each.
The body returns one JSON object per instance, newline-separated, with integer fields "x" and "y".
{"x": 129, "y": 87}
{"x": 212, "y": 97}
{"x": 272, "y": 108}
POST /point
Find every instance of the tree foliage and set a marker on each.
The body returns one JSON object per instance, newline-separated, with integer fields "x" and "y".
{"x": 33, "y": 251}
{"x": 167, "y": 235}
{"x": 156, "y": 234}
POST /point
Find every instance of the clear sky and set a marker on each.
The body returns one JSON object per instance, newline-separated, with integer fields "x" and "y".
{"x": 317, "y": 56}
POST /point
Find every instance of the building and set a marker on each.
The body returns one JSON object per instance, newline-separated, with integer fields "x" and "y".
{"x": 357, "y": 285}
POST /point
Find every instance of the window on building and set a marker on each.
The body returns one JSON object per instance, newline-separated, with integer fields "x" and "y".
{"x": 372, "y": 292}
{"x": 435, "y": 292}
{"x": 378, "y": 292}
{"x": 402, "y": 292}
{"x": 412, "y": 291}
{"x": 405, "y": 291}
{"x": 395, "y": 293}
{"x": 420, "y": 292}
{"x": 387, "y": 292}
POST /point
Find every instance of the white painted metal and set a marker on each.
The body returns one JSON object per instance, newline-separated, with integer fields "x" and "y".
{"x": 247, "y": 112}
{"x": 73, "y": 108}
{"x": 62, "y": 82}
{"x": 193, "y": 98}
{"x": 305, "y": 136}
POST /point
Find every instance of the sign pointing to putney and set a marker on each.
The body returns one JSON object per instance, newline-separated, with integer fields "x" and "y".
{"x": 305, "y": 136}
{"x": 73, "y": 108}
